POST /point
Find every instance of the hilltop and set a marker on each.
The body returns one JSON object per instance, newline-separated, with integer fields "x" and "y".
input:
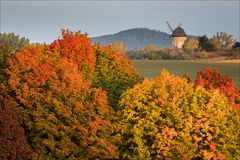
{"x": 137, "y": 38}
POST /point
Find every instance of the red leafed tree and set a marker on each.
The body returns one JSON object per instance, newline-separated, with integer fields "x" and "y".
{"x": 66, "y": 118}
{"x": 212, "y": 79}
{"x": 13, "y": 143}
{"x": 76, "y": 47}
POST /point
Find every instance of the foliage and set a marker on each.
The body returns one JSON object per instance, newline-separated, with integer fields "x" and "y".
{"x": 236, "y": 45}
{"x": 169, "y": 118}
{"x": 151, "y": 48}
{"x": 9, "y": 45}
{"x": 226, "y": 40}
{"x": 114, "y": 72}
{"x": 164, "y": 53}
{"x": 119, "y": 47}
{"x": 76, "y": 47}
{"x": 203, "y": 40}
{"x": 13, "y": 143}
{"x": 212, "y": 79}
{"x": 65, "y": 117}
{"x": 13, "y": 42}
{"x": 219, "y": 41}
{"x": 191, "y": 45}
{"x": 203, "y": 54}
{"x": 212, "y": 45}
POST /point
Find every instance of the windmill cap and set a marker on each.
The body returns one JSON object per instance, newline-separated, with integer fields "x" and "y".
{"x": 179, "y": 32}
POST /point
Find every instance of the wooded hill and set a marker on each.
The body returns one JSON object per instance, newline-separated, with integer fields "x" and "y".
{"x": 137, "y": 38}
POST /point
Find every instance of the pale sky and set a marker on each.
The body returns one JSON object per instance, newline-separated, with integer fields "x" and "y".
{"x": 41, "y": 21}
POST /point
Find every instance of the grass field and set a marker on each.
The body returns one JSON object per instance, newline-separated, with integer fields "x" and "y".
{"x": 152, "y": 68}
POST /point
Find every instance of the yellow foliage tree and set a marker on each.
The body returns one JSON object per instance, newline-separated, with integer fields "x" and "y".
{"x": 169, "y": 118}
{"x": 191, "y": 45}
{"x": 151, "y": 48}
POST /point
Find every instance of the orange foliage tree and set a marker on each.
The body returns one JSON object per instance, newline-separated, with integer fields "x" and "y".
{"x": 212, "y": 79}
{"x": 114, "y": 72}
{"x": 64, "y": 116}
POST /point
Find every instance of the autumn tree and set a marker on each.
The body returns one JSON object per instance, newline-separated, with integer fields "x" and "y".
{"x": 169, "y": 118}
{"x": 151, "y": 48}
{"x": 64, "y": 116}
{"x": 213, "y": 45}
{"x": 226, "y": 40}
{"x": 119, "y": 46}
{"x": 191, "y": 45}
{"x": 211, "y": 79}
{"x": 76, "y": 47}
{"x": 114, "y": 72}
{"x": 13, "y": 142}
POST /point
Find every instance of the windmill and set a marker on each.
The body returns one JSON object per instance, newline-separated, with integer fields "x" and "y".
{"x": 179, "y": 36}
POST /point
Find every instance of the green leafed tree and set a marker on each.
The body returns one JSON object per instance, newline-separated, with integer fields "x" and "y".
{"x": 236, "y": 45}
{"x": 9, "y": 45}
{"x": 203, "y": 40}
{"x": 12, "y": 42}
{"x": 114, "y": 72}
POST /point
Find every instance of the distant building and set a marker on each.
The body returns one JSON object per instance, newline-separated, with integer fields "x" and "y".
{"x": 179, "y": 37}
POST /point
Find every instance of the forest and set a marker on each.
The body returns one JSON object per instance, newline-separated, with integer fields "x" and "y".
{"x": 74, "y": 99}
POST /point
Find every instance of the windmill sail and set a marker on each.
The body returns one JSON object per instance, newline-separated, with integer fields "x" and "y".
{"x": 169, "y": 26}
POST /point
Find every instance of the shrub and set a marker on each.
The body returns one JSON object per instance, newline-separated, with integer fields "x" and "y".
{"x": 151, "y": 48}
{"x": 191, "y": 45}
{"x": 203, "y": 54}
{"x": 212, "y": 79}
{"x": 212, "y": 45}
{"x": 169, "y": 118}
{"x": 114, "y": 72}
{"x": 236, "y": 45}
{"x": 65, "y": 117}
{"x": 13, "y": 143}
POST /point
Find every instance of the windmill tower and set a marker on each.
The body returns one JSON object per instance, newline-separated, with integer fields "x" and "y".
{"x": 179, "y": 36}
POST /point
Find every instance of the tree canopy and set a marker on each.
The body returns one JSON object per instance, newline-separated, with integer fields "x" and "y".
{"x": 169, "y": 118}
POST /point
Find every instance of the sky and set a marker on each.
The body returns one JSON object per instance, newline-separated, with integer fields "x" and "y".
{"x": 42, "y": 21}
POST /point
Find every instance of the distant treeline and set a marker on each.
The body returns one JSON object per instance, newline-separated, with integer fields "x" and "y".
{"x": 220, "y": 45}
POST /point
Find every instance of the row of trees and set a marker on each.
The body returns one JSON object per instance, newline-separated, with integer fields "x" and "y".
{"x": 67, "y": 93}
{"x": 74, "y": 100}
{"x": 220, "y": 45}
{"x": 220, "y": 41}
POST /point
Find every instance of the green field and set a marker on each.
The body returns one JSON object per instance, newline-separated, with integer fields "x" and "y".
{"x": 152, "y": 68}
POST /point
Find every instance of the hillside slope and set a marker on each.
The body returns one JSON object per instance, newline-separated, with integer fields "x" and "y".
{"x": 137, "y": 38}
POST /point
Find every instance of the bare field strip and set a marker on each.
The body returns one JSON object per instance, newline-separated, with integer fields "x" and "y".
{"x": 152, "y": 68}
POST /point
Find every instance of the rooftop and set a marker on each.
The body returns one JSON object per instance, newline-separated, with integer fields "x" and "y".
{"x": 179, "y": 32}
